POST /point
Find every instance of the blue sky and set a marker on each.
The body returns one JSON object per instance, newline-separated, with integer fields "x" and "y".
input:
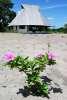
{"x": 54, "y": 10}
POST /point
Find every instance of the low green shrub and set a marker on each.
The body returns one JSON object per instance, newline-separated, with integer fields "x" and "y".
{"x": 32, "y": 68}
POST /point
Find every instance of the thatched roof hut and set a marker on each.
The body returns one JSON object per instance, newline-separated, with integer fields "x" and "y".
{"x": 29, "y": 19}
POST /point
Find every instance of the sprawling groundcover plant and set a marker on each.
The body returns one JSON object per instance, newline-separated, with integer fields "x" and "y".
{"x": 32, "y": 68}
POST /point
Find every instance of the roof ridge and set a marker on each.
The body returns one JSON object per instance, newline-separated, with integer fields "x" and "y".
{"x": 34, "y": 5}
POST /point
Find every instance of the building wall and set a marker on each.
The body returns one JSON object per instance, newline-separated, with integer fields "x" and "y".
{"x": 18, "y": 29}
{"x": 14, "y": 28}
{"x": 30, "y": 29}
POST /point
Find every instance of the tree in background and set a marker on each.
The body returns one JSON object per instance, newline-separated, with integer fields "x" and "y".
{"x": 65, "y": 28}
{"x": 6, "y": 14}
{"x": 62, "y": 29}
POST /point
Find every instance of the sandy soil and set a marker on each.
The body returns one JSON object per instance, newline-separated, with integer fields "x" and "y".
{"x": 12, "y": 82}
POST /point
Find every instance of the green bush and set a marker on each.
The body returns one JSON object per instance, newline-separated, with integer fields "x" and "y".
{"x": 32, "y": 68}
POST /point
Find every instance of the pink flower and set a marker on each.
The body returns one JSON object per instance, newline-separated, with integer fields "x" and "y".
{"x": 39, "y": 54}
{"x": 51, "y": 55}
{"x": 9, "y": 56}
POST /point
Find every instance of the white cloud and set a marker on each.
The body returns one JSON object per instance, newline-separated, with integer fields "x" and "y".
{"x": 51, "y": 18}
{"x": 65, "y": 17}
{"x": 54, "y": 6}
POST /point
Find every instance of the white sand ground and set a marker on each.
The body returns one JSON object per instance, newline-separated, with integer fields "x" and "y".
{"x": 26, "y": 44}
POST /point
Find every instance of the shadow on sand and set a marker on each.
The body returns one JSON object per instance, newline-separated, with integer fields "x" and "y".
{"x": 56, "y": 88}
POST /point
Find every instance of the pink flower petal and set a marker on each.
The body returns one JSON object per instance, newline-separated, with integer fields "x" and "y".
{"x": 9, "y": 56}
{"x": 39, "y": 54}
{"x": 51, "y": 55}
